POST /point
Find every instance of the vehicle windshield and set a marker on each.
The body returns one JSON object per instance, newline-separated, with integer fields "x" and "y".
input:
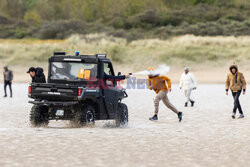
{"x": 73, "y": 71}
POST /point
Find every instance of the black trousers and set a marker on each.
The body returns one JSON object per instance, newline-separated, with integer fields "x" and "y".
{"x": 6, "y": 83}
{"x": 236, "y": 96}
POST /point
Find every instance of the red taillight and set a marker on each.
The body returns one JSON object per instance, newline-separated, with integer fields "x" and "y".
{"x": 29, "y": 89}
{"x": 79, "y": 92}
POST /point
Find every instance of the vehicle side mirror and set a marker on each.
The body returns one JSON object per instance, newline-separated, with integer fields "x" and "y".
{"x": 119, "y": 73}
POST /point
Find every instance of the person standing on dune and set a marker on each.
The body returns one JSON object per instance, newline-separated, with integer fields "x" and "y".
{"x": 236, "y": 82}
{"x": 188, "y": 84}
{"x": 158, "y": 84}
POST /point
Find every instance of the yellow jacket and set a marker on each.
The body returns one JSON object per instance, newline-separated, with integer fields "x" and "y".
{"x": 235, "y": 82}
{"x": 159, "y": 83}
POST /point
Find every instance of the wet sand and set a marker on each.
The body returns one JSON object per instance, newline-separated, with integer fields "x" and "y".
{"x": 207, "y": 136}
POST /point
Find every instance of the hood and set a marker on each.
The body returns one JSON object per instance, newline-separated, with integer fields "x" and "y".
{"x": 6, "y": 68}
{"x": 233, "y": 66}
{"x": 39, "y": 71}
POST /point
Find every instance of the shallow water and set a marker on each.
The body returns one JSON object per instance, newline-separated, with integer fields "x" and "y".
{"x": 207, "y": 136}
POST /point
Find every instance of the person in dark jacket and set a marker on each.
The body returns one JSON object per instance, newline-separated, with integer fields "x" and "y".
{"x": 8, "y": 77}
{"x": 111, "y": 79}
{"x": 37, "y": 75}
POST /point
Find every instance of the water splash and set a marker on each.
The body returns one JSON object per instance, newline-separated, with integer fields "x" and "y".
{"x": 161, "y": 70}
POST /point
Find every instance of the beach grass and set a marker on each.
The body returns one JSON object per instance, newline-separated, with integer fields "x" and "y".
{"x": 177, "y": 51}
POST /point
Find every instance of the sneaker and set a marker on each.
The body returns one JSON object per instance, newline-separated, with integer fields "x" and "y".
{"x": 192, "y": 103}
{"x": 233, "y": 115}
{"x": 154, "y": 118}
{"x": 241, "y": 116}
{"x": 186, "y": 104}
{"x": 5, "y": 96}
{"x": 180, "y": 116}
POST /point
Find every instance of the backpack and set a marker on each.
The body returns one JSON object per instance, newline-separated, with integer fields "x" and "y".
{"x": 39, "y": 71}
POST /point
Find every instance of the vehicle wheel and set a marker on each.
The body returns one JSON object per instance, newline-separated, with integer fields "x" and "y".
{"x": 85, "y": 116}
{"x": 122, "y": 115}
{"x": 39, "y": 116}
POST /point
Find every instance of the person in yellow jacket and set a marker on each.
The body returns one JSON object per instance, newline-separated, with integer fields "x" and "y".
{"x": 236, "y": 82}
{"x": 157, "y": 83}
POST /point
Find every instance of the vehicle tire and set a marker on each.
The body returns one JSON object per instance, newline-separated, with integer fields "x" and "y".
{"x": 39, "y": 116}
{"x": 85, "y": 116}
{"x": 122, "y": 115}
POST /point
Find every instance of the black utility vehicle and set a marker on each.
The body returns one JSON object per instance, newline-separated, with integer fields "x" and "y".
{"x": 78, "y": 91}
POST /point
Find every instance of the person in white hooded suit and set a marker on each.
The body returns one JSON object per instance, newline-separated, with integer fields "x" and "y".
{"x": 188, "y": 84}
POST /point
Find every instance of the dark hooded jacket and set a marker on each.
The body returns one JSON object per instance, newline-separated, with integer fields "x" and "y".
{"x": 8, "y": 75}
{"x": 39, "y": 77}
{"x": 236, "y": 82}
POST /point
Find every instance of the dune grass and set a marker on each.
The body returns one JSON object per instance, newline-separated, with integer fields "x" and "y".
{"x": 178, "y": 51}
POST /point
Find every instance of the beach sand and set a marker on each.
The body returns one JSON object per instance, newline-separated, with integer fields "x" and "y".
{"x": 207, "y": 136}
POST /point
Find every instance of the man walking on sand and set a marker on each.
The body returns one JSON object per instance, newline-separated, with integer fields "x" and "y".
{"x": 8, "y": 77}
{"x": 236, "y": 82}
{"x": 188, "y": 84}
{"x": 158, "y": 84}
